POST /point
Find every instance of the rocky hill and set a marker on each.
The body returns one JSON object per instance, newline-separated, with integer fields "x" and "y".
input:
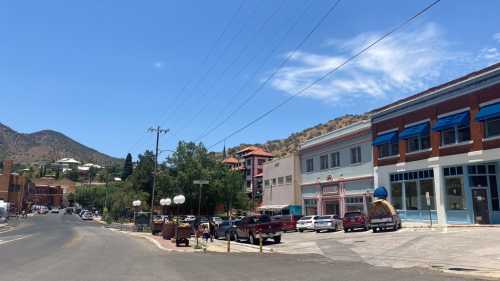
{"x": 46, "y": 145}
{"x": 284, "y": 146}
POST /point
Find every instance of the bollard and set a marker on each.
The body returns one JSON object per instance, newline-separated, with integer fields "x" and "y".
{"x": 229, "y": 244}
{"x": 260, "y": 242}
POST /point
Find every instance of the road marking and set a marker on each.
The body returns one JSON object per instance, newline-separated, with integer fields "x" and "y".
{"x": 3, "y": 242}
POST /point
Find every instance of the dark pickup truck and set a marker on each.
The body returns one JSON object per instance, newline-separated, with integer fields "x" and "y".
{"x": 251, "y": 228}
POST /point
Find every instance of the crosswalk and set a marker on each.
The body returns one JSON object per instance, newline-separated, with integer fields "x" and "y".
{"x": 10, "y": 239}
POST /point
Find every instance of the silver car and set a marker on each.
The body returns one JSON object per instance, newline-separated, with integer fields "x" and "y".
{"x": 327, "y": 223}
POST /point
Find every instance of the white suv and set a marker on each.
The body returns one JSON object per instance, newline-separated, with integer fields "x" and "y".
{"x": 306, "y": 223}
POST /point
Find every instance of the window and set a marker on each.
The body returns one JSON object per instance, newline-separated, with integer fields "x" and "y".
{"x": 274, "y": 181}
{"x": 455, "y": 193}
{"x": 310, "y": 207}
{"x": 280, "y": 180}
{"x": 288, "y": 179}
{"x": 355, "y": 155}
{"x": 492, "y": 127}
{"x": 354, "y": 204}
{"x": 335, "y": 159}
{"x": 249, "y": 162}
{"x": 411, "y": 195}
{"x": 309, "y": 165}
{"x": 261, "y": 161}
{"x": 484, "y": 176}
{"x": 418, "y": 143}
{"x": 397, "y": 195}
{"x": 427, "y": 186}
{"x": 249, "y": 183}
{"x": 388, "y": 149}
{"x": 248, "y": 172}
{"x": 323, "y": 162}
{"x": 266, "y": 183}
{"x": 455, "y": 135}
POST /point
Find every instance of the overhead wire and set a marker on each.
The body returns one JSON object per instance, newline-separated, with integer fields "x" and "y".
{"x": 327, "y": 74}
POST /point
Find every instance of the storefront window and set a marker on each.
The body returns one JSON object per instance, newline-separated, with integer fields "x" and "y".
{"x": 427, "y": 186}
{"x": 455, "y": 193}
{"x": 397, "y": 195}
{"x": 411, "y": 195}
{"x": 354, "y": 204}
{"x": 310, "y": 207}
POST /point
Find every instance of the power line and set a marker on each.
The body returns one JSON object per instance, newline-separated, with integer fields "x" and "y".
{"x": 278, "y": 69}
{"x": 246, "y": 45}
{"x": 256, "y": 72}
{"x": 204, "y": 61}
{"x": 353, "y": 57}
{"x": 211, "y": 68}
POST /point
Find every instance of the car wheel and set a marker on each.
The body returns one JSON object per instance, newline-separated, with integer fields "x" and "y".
{"x": 317, "y": 231}
{"x": 252, "y": 240}
{"x": 375, "y": 230}
{"x": 301, "y": 230}
{"x": 346, "y": 230}
{"x": 277, "y": 239}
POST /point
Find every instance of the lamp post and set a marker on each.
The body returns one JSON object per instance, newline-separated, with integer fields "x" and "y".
{"x": 165, "y": 202}
{"x": 136, "y": 204}
{"x": 178, "y": 200}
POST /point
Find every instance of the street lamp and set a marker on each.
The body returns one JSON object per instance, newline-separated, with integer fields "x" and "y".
{"x": 136, "y": 204}
{"x": 165, "y": 202}
{"x": 178, "y": 200}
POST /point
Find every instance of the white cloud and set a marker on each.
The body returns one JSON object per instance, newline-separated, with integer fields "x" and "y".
{"x": 496, "y": 37}
{"x": 407, "y": 62}
{"x": 159, "y": 64}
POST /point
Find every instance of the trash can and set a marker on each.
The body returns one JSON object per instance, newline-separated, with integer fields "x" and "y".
{"x": 168, "y": 231}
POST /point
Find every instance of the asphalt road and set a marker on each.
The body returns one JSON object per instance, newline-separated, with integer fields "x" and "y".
{"x": 64, "y": 248}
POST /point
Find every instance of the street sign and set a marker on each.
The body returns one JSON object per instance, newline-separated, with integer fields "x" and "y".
{"x": 428, "y": 198}
{"x": 200, "y": 182}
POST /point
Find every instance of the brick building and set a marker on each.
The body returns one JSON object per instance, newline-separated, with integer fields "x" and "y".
{"x": 13, "y": 187}
{"x": 250, "y": 161}
{"x": 46, "y": 195}
{"x": 443, "y": 143}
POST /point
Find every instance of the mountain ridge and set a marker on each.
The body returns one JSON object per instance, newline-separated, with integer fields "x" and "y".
{"x": 46, "y": 145}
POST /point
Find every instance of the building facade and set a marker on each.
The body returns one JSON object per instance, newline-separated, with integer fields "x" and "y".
{"x": 438, "y": 151}
{"x": 46, "y": 195}
{"x": 13, "y": 187}
{"x": 281, "y": 194}
{"x": 337, "y": 171}
{"x": 250, "y": 161}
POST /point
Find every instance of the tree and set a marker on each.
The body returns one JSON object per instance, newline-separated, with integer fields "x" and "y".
{"x": 128, "y": 167}
{"x": 73, "y": 174}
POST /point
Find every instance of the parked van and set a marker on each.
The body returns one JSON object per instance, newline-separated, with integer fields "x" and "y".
{"x": 383, "y": 216}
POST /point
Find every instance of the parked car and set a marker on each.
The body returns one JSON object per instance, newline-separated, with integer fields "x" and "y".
{"x": 383, "y": 216}
{"x": 355, "y": 220}
{"x": 68, "y": 211}
{"x": 306, "y": 223}
{"x": 43, "y": 210}
{"x": 54, "y": 211}
{"x": 226, "y": 229}
{"x": 251, "y": 228}
{"x": 189, "y": 218}
{"x": 288, "y": 222}
{"x": 327, "y": 223}
{"x": 217, "y": 220}
{"x": 87, "y": 216}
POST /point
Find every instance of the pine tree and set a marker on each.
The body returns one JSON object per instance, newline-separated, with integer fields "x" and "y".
{"x": 128, "y": 167}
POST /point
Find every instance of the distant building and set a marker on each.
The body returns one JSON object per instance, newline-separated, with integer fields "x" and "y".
{"x": 13, "y": 187}
{"x": 46, "y": 195}
{"x": 337, "y": 171}
{"x": 250, "y": 161}
{"x": 66, "y": 164}
{"x": 282, "y": 186}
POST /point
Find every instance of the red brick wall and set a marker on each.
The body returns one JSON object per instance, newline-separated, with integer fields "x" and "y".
{"x": 472, "y": 100}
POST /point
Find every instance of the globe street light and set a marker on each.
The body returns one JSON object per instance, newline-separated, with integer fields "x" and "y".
{"x": 165, "y": 202}
{"x": 178, "y": 200}
{"x": 136, "y": 204}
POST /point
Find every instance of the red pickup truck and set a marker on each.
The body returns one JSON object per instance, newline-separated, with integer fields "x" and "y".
{"x": 251, "y": 228}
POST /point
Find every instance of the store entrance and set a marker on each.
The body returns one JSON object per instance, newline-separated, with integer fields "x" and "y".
{"x": 332, "y": 208}
{"x": 480, "y": 204}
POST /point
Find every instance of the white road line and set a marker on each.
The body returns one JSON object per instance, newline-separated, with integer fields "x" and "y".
{"x": 3, "y": 242}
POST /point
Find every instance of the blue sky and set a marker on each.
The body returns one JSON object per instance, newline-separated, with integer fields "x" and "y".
{"x": 102, "y": 72}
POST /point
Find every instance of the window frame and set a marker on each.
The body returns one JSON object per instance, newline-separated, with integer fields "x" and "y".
{"x": 487, "y": 127}
{"x": 309, "y": 165}
{"x": 335, "y": 159}
{"x": 323, "y": 162}
{"x": 456, "y": 134}
{"x": 288, "y": 179}
{"x": 356, "y": 155}
{"x": 420, "y": 146}
{"x": 391, "y": 151}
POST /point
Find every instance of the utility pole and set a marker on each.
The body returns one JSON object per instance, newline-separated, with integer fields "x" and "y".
{"x": 158, "y": 130}
{"x": 200, "y": 183}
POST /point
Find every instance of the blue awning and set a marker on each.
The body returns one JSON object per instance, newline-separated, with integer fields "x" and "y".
{"x": 488, "y": 112}
{"x": 413, "y": 131}
{"x": 451, "y": 121}
{"x": 380, "y": 192}
{"x": 386, "y": 138}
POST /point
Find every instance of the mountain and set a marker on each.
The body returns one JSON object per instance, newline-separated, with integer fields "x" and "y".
{"x": 282, "y": 147}
{"x": 46, "y": 145}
